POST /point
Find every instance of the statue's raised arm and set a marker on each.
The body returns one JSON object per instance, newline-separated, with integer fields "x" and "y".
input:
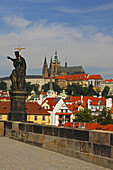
{"x": 19, "y": 73}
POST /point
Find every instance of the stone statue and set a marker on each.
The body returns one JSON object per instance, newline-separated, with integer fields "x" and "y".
{"x": 18, "y": 74}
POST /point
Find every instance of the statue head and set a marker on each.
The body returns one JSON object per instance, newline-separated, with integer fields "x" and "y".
{"x": 17, "y": 54}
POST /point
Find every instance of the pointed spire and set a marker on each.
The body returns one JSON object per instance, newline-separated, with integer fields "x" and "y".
{"x": 66, "y": 62}
{"x": 56, "y": 55}
{"x": 50, "y": 62}
{"x": 45, "y": 62}
{"x": 51, "y": 84}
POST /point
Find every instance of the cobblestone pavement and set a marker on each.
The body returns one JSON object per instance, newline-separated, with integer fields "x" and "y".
{"x": 15, "y": 155}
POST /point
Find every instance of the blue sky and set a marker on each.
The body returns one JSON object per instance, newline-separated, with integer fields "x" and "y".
{"x": 81, "y": 30}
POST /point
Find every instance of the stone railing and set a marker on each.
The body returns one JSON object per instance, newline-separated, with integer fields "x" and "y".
{"x": 90, "y": 145}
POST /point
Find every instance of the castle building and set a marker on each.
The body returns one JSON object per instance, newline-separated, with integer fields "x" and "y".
{"x": 55, "y": 69}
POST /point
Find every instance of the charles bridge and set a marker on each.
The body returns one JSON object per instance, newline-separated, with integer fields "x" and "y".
{"x": 91, "y": 146}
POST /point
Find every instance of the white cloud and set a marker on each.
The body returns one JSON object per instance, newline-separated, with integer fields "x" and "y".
{"x": 92, "y": 49}
{"x": 16, "y": 21}
{"x": 78, "y": 11}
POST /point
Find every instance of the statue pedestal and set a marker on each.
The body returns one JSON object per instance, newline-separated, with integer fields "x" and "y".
{"x": 18, "y": 106}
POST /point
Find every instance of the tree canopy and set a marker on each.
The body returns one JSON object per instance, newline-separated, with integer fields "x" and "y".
{"x": 56, "y": 87}
{"x": 105, "y": 91}
{"x": 3, "y": 86}
{"x": 29, "y": 87}
{"x": 84, "y": 116}
{"x": 104, "y": 117}
{"x": 77, "y": 90}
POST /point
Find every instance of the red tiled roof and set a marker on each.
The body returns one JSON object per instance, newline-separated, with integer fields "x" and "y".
{"x": 108, "y": 80}
{"x": 33, "y": 108}
{"x": 50, "y": 101}
{"x": 4, "y": 98}
{"x": 112, "y": 108}
{"x": 49, "y": 77}
{"x": 75, "y": 101}
{"x": 76, "y": 77}
{"x": 57, "y": 113}
{"x": 97, "y": 77}
{"x": 43, "y": 93}
{"x": 79, "y": 77}
{"x": 60, "y": 77}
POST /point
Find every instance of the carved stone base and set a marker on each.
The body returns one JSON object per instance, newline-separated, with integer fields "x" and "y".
{"x": 18, "y": 106}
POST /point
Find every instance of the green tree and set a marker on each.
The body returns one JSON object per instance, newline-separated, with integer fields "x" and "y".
{"x": 78, "y": 90}
{"x": 3, "y": 86}
{"x": 84, "y": 116}
{"x": 91, "y": 91}
{"x": 29, "y": 87}
{"x": 56, "y": 87}
{"x": 105, "y": 91}
{"x": 104, "y": 117}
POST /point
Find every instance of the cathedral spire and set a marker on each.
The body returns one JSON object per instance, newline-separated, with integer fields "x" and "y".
{"x": 45, "y": 62}
{"x": 45, "y": 68}
{"x": 66, "y": 62}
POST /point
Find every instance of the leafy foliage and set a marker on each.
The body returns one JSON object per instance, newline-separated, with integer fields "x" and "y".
{"x": 3, "y": 86}
{"x": 29, "y": 87}
{"x": 105, "y": 117}
{"x": 83, "y": 116}
{"x": 105, "y": 91}
{"x": 56, "y": 87}
{"x": 77, "y": 90}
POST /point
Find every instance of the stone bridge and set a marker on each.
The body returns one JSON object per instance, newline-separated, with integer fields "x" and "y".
{"x": 73, "y": 148}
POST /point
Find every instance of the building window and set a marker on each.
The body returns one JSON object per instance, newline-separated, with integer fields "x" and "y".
{"x": 43, "y": 117}
{"x": 35, "y": 117}
{"x": 0, "y": 116}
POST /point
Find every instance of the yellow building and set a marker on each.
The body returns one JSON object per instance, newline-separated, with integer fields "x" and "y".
{"x": 35, "y": 113}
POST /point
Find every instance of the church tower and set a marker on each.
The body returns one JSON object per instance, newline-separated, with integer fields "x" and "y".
{"x": 54, "y": 66}
{"x": 45, "y": 69}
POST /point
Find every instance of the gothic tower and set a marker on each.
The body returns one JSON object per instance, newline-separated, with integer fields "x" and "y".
{"x": 54, "y": 66}
{"x": 45, "y": 69}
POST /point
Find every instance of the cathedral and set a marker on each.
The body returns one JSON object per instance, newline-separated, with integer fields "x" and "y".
{"x": 55, "y": 69}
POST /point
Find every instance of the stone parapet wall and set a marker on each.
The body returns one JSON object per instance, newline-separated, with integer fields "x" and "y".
{"x": 89, "y": 145}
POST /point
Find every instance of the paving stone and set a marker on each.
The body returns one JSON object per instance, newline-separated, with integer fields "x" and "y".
{"x": 15, "y": 155}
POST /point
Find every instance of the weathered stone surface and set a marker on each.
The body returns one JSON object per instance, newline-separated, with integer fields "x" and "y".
{"x": 15, "y": 126}
{"x": 85, "y": 147}
{"x": 81, "y": 135}
{"x": 66, "y": 133}
{"x": 37, "y": 129}
{"x": 70, "y": 144}
{"x": 23, "y": 135}
{"x": 22, "y": 127}
{"x": 29, "y": 127}
{"x": 61, "y": 142}
{"x": 55, "y": 131}
{"x": 29, "y": 137}
{"x": 102, "y": 150}
{"x": 62, "y": 132}
{"x": 76, "y": 145}
{"x": 8, "y": 132}
{"x": 111, "y": 139}
{"x": 18, "y": 106}
{"x": 99, "y": 137}
{"x": 8, "y": 125}
{"x": 46, "y": 130}
{"x": 1, "y": 128}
